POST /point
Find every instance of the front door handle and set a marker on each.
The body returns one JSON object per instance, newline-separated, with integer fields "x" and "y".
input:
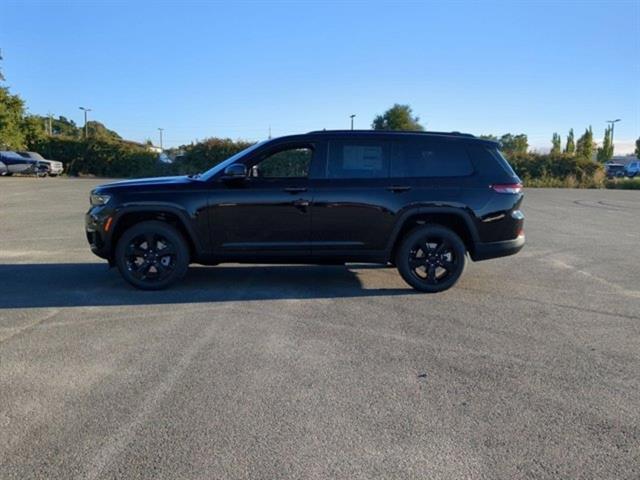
{"x": 399, "y": 188}
{"x": 295, "y": 189}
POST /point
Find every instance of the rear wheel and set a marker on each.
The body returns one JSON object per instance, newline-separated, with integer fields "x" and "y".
{"x": 152, "y": 255}
{"x": 431, "y": 258}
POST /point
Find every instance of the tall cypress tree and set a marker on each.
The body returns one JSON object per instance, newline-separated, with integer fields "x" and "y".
{"x": 556, "y": 143}
{"x": 570, "y": 147}
{"x": 605, "y": 153}
{"x": 585, "y": 144}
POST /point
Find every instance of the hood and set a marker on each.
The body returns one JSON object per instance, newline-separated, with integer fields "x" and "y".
{"x": 146, "y": 182}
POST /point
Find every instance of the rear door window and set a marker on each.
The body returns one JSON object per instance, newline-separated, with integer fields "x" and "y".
{"x": 431, "y": 158}
{"x": 358, "y": 159}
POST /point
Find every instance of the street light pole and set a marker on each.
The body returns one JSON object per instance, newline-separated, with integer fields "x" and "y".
{"x": 351, "y": 117}
{"x": 85, "y": 120}
{"x": 161, "y": 130}
{"x": 612, "y": 123}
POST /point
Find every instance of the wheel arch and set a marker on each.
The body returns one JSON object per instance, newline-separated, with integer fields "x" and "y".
{"x": 453, "y": 218}
{"x": 170, "y": 215}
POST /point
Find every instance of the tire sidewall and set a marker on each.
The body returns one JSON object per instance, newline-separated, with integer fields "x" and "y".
{"x": 166, "y": 230}
{"x": 402, "y": 257}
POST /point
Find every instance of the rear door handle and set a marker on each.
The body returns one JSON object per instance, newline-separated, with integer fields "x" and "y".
{"x": 295, "y": 189}
{"x": 399, "y": 188}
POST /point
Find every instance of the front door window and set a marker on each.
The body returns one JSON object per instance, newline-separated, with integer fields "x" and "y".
{"x": 290, "y": 163}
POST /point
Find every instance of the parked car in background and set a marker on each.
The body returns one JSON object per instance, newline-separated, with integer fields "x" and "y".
{"x": 11, "y": 162}
{"x": 613, "y": 169}
{"x": 52, "y": 168}
{"x": 632, "y": 169}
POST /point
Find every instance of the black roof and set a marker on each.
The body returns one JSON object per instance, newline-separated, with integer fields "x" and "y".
{"x": 394, "y": 132}
{"x": 460, "y": 135}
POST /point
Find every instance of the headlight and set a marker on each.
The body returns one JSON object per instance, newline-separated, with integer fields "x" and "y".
{"x": 97, "y": 199}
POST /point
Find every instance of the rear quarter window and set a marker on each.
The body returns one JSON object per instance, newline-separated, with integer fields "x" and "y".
{"x": 431, "y": 159}
{"x": 490, "y": 161}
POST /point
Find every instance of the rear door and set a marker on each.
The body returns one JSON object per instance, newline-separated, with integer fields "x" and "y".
{"x": 353, "y": 209}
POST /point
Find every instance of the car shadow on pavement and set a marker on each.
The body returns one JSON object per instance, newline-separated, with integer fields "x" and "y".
{"x": 93, "y": 284}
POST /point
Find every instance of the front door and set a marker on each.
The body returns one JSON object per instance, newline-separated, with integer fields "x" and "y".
{"x": 267, "y": 214}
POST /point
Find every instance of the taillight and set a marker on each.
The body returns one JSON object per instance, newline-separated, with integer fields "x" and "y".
{"x": 507, "y": 188}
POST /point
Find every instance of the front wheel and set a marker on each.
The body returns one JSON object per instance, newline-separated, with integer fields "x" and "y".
{"x": 152, "y": 255}
{"x": 431, "y": 258}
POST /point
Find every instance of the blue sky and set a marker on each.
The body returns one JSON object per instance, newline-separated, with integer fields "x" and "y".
{"x": 233, "y": 69}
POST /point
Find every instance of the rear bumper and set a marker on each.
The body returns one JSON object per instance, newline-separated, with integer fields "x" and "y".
{"x": 486, "y": 251}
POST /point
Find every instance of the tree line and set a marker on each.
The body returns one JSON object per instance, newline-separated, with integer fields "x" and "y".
{"x": 104, "y": 152}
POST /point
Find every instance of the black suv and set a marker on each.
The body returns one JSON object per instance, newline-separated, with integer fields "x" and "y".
{"x": 419, "y": 201}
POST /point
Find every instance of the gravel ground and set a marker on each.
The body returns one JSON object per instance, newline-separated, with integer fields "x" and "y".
{"x": 528, "y": 368}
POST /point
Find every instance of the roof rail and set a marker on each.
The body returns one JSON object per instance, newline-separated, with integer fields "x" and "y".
{"x": 452, "y": 134}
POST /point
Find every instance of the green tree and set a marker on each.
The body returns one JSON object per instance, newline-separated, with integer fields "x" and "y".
{"x": 514, "y": 144}
{"x": 570, "y": 147}
{"x": 33, "y": 130}
{"x": 489, "y": 137}
{"x": 65, "y": 127}
{"x": 99, "y": 131}
{"x": 398, "y": 117}
{"x": 556, "y": 143}
{"x": 585, "y": 145}
{"x": 605, "y": 153}
{"x": 638, "y": 148}
{"x": 11, "y": 115}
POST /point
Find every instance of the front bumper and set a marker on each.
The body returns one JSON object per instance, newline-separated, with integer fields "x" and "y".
{"x": 485, "y": 251}
{"x": 99, "y": 239}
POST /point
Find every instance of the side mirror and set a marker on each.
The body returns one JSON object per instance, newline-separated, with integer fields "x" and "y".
{"x": 235, "y": 172}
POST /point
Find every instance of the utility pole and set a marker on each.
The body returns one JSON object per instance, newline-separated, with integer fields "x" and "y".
{"x": 85, "y": 120}
{"x": 612, "y": 123}
{"x": 161, "y": 130}
{"x": 351, "y": 117}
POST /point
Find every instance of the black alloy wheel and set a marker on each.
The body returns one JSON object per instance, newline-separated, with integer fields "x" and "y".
{"x": 431, "y": 258}
{"x": 152, "y": 255}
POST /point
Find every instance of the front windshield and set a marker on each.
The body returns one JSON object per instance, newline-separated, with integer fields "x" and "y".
{"x": 229, "y": 161}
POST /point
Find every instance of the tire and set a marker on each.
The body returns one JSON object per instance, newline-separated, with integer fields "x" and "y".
{"x": 145, "y": 267}
{"x": 431, "y": 258}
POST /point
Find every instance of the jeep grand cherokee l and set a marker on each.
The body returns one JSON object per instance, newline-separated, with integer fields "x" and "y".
{"x": 422, "y": 201}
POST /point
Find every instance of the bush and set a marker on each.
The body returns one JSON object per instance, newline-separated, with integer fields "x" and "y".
{"x": 561, "y": 166}
{"x": 105, "y": 158}
{"x": 201, "y": 156}
{"x": 559, "y": 170}
{"x": 623, "y": 183}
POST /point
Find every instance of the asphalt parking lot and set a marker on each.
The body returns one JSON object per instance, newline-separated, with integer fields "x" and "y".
{"x": 529, "y": 368}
